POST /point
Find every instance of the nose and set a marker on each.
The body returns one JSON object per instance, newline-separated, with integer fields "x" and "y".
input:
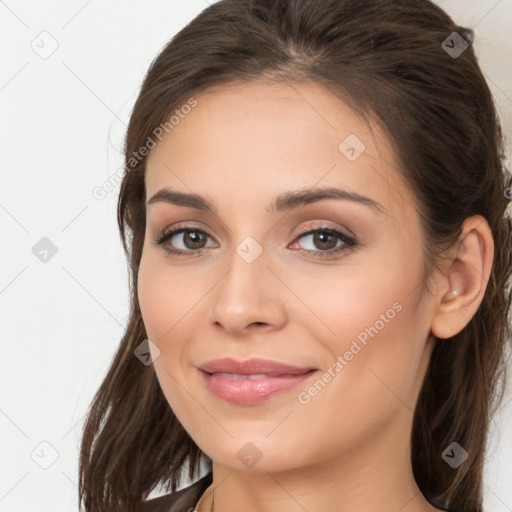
{"x": 249, "y": 296}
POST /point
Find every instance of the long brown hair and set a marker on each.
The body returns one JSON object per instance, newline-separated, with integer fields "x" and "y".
{"x": 387, "y": 59}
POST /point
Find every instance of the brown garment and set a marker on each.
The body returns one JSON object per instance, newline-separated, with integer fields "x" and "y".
{"x": 183, "y": 500}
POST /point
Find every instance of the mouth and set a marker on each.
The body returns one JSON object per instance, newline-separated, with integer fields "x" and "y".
{"x": 251, "y": 376}
{"x": 251, "y": 389}
{"x": 255, "y": 366}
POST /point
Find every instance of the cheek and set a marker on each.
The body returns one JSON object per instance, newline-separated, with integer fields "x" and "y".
{"x": 371, "y": 378}
{"x": 377, "y": 321}
{"x": 362, "y": 303}
{"x": 153, "y": 302}
{"x": 166, "y": 297}
{"x": 162, "y": 308}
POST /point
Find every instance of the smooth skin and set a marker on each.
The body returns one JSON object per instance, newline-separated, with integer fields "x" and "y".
{"x": 348, "y": 448}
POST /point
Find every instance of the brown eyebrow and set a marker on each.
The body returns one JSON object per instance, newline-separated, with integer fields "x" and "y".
{"x": 283, "y": 202}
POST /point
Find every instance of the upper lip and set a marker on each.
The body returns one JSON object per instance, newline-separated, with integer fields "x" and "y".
{"x": 253, "y": 366}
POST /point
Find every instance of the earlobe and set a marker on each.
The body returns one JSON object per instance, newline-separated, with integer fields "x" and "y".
{"x": 464, "y": 280}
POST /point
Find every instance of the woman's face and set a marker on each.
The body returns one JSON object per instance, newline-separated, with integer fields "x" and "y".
{"x": 253, "y": 281}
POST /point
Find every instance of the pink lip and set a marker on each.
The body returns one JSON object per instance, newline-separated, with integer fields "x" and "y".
{"x": 251, "y": 366}
{"x": 280, "y": 377}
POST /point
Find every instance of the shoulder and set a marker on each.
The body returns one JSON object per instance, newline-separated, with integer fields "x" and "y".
{"x": 183, "y": 500}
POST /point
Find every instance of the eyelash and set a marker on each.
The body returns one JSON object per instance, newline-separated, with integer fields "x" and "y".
{"x": 349, "y": 243}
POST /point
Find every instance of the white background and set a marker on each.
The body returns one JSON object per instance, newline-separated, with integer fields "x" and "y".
{"x": 62, "y": 124}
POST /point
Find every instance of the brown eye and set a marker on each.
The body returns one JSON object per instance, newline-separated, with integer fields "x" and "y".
{"x": 187, "y": 240}
{"x": 194, "y": 239}
{"x": 325, "y": 241}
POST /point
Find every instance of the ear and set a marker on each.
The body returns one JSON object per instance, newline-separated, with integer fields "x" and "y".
{"x": 461, "y": 288}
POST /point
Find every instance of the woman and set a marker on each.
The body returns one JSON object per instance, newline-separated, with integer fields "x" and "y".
{"x": 315, "y": 214}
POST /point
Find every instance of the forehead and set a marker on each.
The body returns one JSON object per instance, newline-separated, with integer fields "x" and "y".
{"x": 242, "y": 140}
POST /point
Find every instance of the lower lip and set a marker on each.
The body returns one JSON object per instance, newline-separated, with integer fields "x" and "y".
{"x": 248, "y": 392}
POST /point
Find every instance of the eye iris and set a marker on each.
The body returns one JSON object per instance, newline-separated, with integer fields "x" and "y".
{"x": 321, "y": 237}
{"x": 195, "y": 236}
